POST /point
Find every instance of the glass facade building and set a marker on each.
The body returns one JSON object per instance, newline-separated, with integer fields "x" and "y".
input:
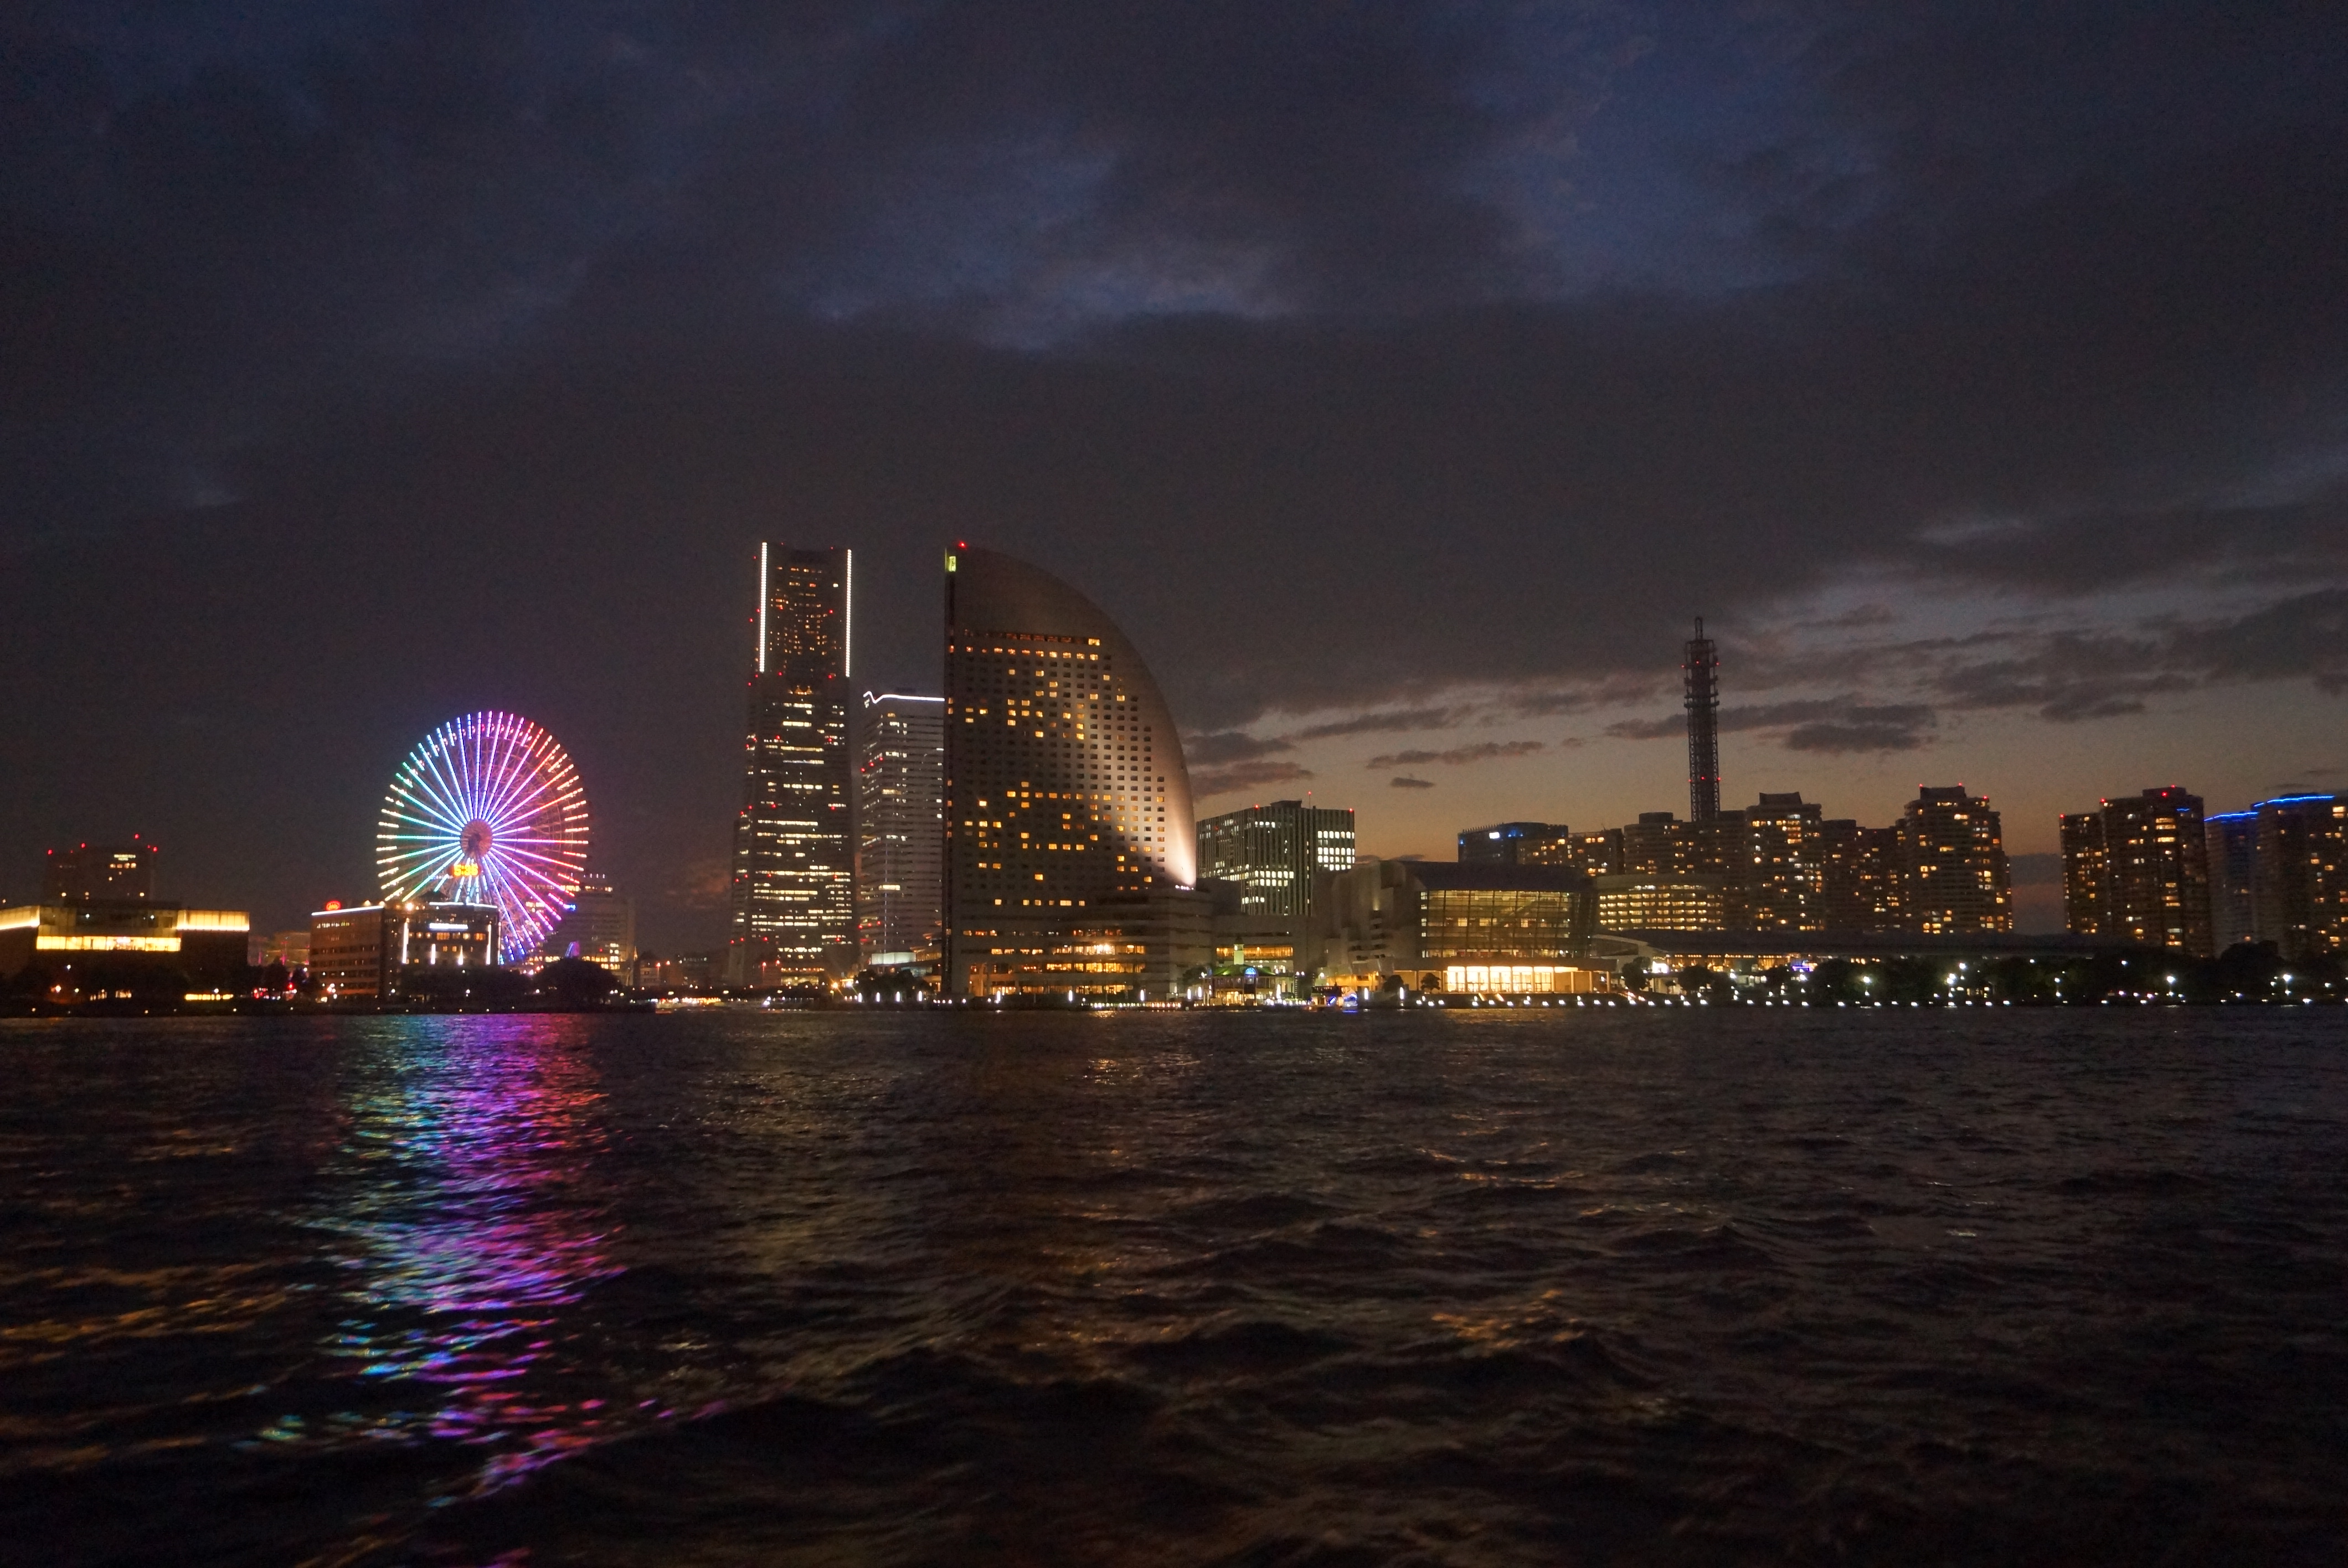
{"x": 2232, "y": 840}
{"x": 794, "y": 918}
{"x": 901, "y": 742}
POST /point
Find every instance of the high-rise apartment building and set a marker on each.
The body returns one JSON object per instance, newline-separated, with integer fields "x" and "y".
{"x": 2156, "y": 853}
{"x": 900, "y": 758}
{"x": 1785, "y": 865}
{"x": 2138, "y": 868}
{"x": 793, "y": 894}
{"x": 1655, "y": 845}
{"x": 2086, "y": 875}
{"x": 1071, "y": 857}
{"x": 1859, "y": 876}
{"x": 1955, "y": 879}
{"x": 2232, "y": 839}
{"x": 2299, "y": 891}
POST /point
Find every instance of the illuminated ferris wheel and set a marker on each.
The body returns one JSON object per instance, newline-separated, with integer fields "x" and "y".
{"x": 488, "y": 810}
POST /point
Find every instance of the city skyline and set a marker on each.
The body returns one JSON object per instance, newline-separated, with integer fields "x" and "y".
{"x": 1406, "y": 381}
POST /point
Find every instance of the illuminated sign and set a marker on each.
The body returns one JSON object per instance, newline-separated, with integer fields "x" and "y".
{"x": 465, "y": 868}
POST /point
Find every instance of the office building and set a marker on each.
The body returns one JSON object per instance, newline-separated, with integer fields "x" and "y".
{"x": 1784, "y": 869}
{"x": 1598, "y": 852}
{"x": 901, "y": 740}
{"x": 381, "y": 952}
{"x": 100, "y": 874}
{"x": 1070, "y": 834}
{"x": 1638, "y": 901}
{"x": 1700, "y": 672}
{"x": 1954, "y": 876}
{"x": 794, "y": 918}
{"x": 2232, "y": 844}
{"x": 2086, "y": 875}
{"x": 599, "y": 926}
{"x": 2299, "y": 886}
{"x": 1272, "y": 853}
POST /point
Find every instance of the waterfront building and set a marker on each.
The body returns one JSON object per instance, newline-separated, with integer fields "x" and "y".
{"x": 901, "y": 740}
{"x": 1859, "y": 876}
{"x": 1274, "y": 854}
{"x": 1784, "y": 868}
{"x": 1071, "y": 854}
{"x": 2299, "y": 890}
{"x": 380, "y": 952}
{"x": 2156, "y": 855}
{"x": 1419, "y": 918}
{"x": 599, "y": 926}
{"x": 1644, "y": 901}
{"x": 100, "y": 874}
{"x": 291, "y": 949}
{"x": 132, "y": 936}
{"x": 794, "y": 918}
{"x": 2087, "y": 874}
{"x": 2232, "y": 839}
{"x": 1954, "y": 876}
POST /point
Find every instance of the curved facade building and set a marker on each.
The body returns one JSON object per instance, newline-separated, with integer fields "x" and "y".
{"x": 1071, "y": 849}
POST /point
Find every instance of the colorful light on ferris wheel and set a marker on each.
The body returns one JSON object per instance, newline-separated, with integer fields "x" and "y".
{"x": 490, "y": 807}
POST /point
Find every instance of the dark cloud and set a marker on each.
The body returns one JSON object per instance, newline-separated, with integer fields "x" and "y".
{"x": 1403, "y": 720}
{"x": 1482, "y": 751}
{"x": 1230, "y": 747}
{"x": 1245, "y": 775}
{"x": 1839, "y": 725}
{"x": 1403, "y": 782}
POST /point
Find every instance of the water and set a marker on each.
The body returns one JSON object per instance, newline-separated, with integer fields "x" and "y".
{"x": 1468, "y": 1288}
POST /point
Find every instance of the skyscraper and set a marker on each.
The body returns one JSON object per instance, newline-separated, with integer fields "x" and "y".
{"x": 794, "y": 913}
{"x": 1701, "y": 673}
{"x": 1955, "y": 879}
{"x": 899, "y": 823}
{"x": 1070, "y": 846}
{"x": 600, "y": 927}
{"x": 100, "y": 873}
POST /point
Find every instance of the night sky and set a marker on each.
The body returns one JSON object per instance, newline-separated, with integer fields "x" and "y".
{"x": 1404, "y": 378}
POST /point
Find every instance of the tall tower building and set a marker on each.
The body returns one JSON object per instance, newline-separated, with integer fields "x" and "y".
{"x": 1701, "y": 673}
{"x": 794, "y": 909}
{"x": 1955, "y": 877}
{"x": 901, "y": 744}
{"x": 1070, "y": 847}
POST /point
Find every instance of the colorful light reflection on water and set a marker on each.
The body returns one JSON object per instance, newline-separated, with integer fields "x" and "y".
{"x": 471, "y": 1226}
